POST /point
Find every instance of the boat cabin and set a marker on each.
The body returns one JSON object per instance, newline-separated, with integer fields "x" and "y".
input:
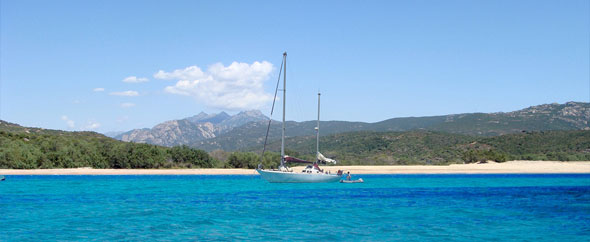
{"x": 314, "y": 169}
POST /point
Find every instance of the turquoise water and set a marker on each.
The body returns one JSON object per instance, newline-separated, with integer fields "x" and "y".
{"x": 385, "y": 207}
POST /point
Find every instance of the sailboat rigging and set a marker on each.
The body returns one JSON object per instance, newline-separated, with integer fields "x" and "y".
{"x": 312, "y": 173}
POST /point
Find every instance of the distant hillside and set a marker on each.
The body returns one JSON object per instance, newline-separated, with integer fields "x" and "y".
{"x": 31, "y": 148}
{"x": 27, "y": 148}
{"x": 568, "y": 116}
{"x": 17, "y": 129}
{"x": 192, "y": 129}
{"x": 432, "y": 147}
{"x": 252, "y": 134}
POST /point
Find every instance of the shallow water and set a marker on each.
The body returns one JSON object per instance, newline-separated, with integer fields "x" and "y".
{"x": 385, "y": 207}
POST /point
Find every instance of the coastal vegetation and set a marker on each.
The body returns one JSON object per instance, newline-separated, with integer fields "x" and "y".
{"x": 30, "y": 148}
{"x": 250, "y": 160}
{"x": 437, "y": 148}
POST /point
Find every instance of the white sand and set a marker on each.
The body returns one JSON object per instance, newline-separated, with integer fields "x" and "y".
{"x": 487, "y": 168}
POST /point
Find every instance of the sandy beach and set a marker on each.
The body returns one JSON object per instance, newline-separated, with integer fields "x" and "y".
{"x": 530, "y": 167}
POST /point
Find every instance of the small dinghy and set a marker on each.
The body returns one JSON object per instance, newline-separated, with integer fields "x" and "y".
{"x": 2, "y": 178}
{"x": 360, "y": 180}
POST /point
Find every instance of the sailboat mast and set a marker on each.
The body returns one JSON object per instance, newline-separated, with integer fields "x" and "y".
{"x": 318, "y": 131}
{"x": 284, "y": 105}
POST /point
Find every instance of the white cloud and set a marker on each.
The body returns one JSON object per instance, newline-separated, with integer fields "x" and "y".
{"x": 91, "y": 125}
{"x": 98, "y": 89}
{"x": 238, "y": 86}
{"x": 125, "y": 93}
{"x": 189, "y": 73}
{"x": 134, "y": 79}
{"x": 70, "y": 123}
{"x": 127, "y": 105}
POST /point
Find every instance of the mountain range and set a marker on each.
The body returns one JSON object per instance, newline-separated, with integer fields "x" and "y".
{"x": 247, "y": 129}
{"x": 192, "y": 129}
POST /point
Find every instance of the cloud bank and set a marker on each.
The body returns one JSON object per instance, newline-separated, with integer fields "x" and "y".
{"x": 238, "y": 86}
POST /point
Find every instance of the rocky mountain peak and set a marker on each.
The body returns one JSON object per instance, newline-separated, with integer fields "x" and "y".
{"x": 242, "y": 118}
{"x": 252, "y": 113}
{"x": 191, "y": 129}
{"x": 214, "y": 118}
{"x": 198, "y": 117}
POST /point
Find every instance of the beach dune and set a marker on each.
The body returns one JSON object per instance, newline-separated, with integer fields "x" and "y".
{"x": 530, "y": 167}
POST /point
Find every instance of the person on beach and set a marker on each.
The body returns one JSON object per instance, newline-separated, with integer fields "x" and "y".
{"x": 348, "y": 176}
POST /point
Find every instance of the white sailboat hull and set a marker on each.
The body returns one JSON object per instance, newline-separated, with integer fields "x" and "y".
{"x": 297, "y": 177}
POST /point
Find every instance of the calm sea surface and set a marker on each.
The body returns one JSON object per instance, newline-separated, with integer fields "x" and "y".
{"x": 385, "y": 207}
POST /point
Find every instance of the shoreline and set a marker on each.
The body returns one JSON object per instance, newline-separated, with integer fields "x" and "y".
{"x": 509, "y": 167}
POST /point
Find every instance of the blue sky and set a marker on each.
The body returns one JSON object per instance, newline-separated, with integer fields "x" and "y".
{"x": 372, "y": 60}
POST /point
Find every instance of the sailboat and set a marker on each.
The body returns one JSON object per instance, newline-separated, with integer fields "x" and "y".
{"x": 311, "y": 173}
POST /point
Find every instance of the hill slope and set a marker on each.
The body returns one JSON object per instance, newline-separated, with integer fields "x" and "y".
{"x": 431, "y": 147}
{"x": 568, "y": 116}
{"x": 31, "y": 148}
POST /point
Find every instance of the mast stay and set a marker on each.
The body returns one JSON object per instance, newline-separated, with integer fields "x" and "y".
{"x": 272, "y": 111}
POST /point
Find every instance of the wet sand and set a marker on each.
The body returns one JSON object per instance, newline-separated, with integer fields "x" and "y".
{"x": 531, "y": 167}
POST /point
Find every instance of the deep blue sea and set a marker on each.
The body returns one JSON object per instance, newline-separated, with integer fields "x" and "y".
{"x": 245, "y": 207}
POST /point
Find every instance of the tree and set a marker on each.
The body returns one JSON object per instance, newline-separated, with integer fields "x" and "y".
{"x": 243, "y": 160}
{"x": 191, "y": 157}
